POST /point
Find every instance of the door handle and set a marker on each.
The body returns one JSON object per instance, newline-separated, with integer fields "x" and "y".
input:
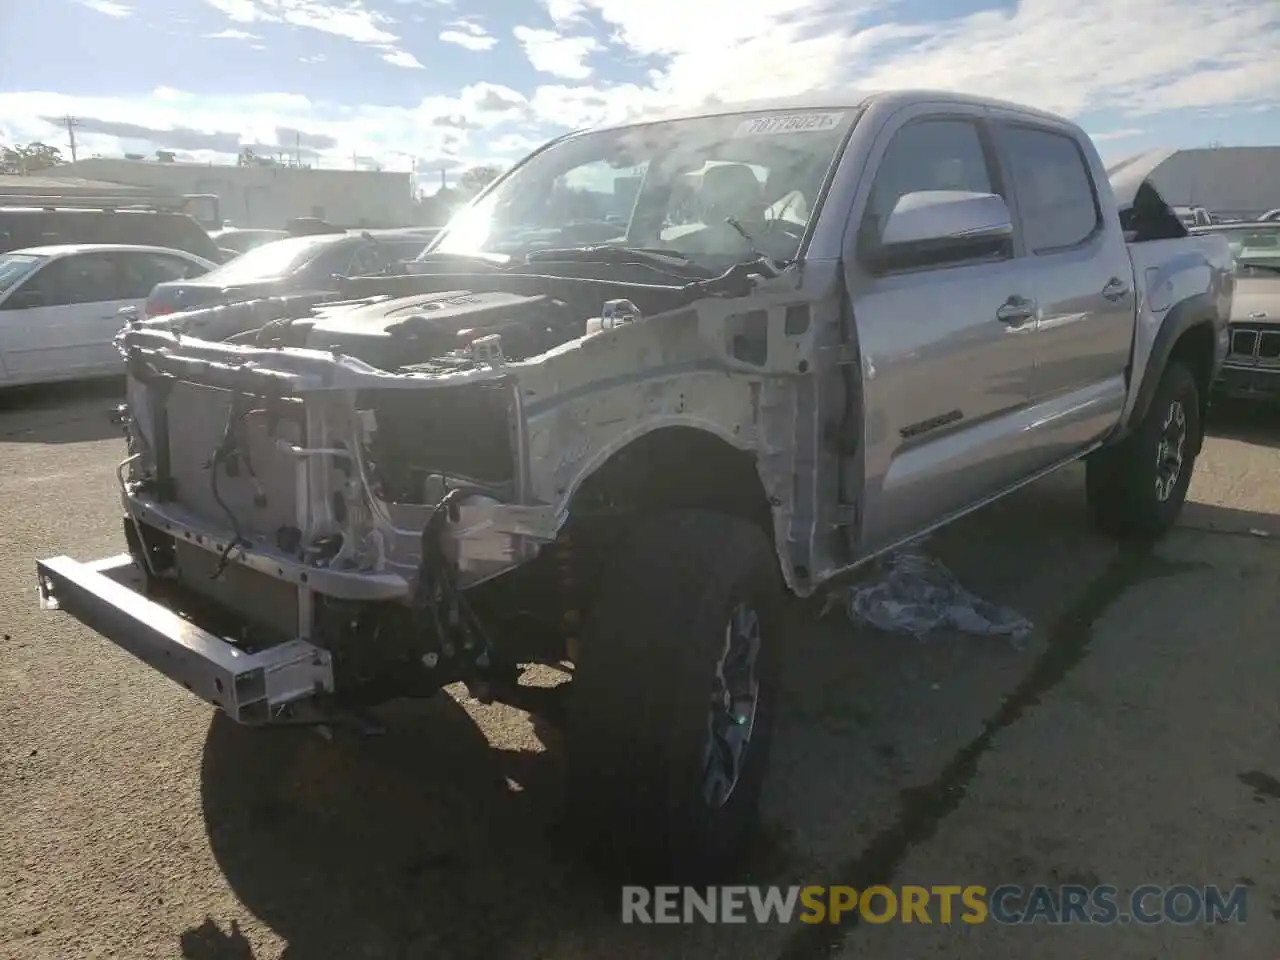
{"x": 1016, "y": 311}
{"x": 1116, "y": 289}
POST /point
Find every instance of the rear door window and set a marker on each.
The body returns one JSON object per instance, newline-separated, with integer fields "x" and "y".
{"x": 373, "y": 257}
{"x": 80, "y": 278}
{"x": 142, "y": 271}
{"x": 180, "y": 232}
{"x": 1056, "y": 196}
{"x": 338, "y": 258}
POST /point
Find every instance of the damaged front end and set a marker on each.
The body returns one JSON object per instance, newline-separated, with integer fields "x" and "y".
{"x": 316, "y": 491}
{"x": 302, "y": 524}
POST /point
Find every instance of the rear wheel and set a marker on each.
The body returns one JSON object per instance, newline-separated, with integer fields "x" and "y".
{"x": 1136, "y": 490}
{"x": 672, "y": 706}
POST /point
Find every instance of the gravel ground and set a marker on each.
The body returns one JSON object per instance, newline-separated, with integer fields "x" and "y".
{"x": 1132, "y": 740}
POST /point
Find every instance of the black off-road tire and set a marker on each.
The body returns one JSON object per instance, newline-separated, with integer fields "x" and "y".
{"x": 1121, "y": 481}
{"x": 637, "y": 724}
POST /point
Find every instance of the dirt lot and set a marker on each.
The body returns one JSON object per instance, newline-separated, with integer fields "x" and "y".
{"x": 1134, "y": 740}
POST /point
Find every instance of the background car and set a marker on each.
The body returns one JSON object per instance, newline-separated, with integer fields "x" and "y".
{"x": 1252, "y": 366}
{"x": 234, "y": 241}
{"x": 27, "y": 227}
{"x": 295, "y": 265}
{"x": 60, "y": 305}
{"x": 1250, "y": 243}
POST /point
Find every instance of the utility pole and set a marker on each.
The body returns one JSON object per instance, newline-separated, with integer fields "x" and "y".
{"x": 354, "y": 164}
{"x": 297, "y": 148}
{"x": 72, "y": 123}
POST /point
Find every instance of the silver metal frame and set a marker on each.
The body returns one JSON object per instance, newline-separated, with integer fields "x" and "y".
{"x": 252, "y": 688}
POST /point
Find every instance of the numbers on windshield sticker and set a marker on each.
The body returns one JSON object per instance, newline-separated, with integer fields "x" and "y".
{"x": 788, "y": 123}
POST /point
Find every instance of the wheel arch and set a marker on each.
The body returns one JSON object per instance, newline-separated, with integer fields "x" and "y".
{"x": 673, "y": 465}
{"x": 1188, "y": 334}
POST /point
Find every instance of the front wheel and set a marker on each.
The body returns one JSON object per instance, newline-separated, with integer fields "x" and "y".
{"x": 672, "y": 705}
{"x": 1136, "y": 489}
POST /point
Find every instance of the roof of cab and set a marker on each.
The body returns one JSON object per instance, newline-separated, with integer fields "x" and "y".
{"x": 835, "y": 99}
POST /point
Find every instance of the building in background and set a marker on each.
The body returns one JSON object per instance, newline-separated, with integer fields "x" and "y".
{"x": 266, "y": 196}
{"x": 1236, "y": 182}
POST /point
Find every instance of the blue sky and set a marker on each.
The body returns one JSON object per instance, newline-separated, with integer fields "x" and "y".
{"x": 447, "y": 84}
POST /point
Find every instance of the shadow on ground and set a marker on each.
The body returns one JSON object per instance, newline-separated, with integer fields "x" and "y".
{"x": 424, "y": 842}
{"x": 433, "y": 842}
{"x": 60, "y": 412}
{"x": 1256, "y": 422}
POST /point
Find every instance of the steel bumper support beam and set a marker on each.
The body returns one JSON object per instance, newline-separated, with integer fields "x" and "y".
{"x": 250, "y": 688}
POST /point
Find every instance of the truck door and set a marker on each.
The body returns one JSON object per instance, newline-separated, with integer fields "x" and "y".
{"x": 1083, "y": 286}
{"x": 946, "y": 363}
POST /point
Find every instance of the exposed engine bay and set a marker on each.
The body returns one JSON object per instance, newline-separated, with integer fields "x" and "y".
{"x": 396, "y": 333}
{"x": 354, "y": 473}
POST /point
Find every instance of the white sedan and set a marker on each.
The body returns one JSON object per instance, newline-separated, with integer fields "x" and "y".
{"x": 60, "y": 305}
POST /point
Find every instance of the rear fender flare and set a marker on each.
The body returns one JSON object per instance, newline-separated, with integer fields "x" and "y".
{"x": 1196, "y": 311}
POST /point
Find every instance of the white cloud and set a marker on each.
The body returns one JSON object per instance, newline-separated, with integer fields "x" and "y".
{"x": 584, "y": 106}
{"x": 1066, "y": 55}
{"x": 108, "y": 7}
{"x": 514, "y": 144}
{"x": 402, "y": 58}
{"x": 1116, "y": 135}
{"x": 350, "y": 19}
{"x": 561, "y": 56}
{"x": 215, "y": 128}
{"x": 242, "y": 11}
{"x": 231, "y": 34}
{"x": 470, "y": 35}
{"x": 1078, "y": 57}
{"x": 1136, "y": 57}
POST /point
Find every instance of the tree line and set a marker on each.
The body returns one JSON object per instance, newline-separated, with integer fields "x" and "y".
{"x": 25, "y": 160}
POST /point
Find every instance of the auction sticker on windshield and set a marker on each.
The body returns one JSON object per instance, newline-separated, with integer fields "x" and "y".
{"x": 789, "y": 123}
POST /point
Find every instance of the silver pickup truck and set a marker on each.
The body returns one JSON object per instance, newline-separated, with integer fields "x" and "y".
{"x": 652, "y": 379}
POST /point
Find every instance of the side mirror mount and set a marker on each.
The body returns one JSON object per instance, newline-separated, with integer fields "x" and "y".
{"x": 941, "y": 226}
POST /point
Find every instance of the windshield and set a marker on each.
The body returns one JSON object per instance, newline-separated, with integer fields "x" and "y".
{"x": 276, "y": 259}
{"x": 694, "y": 187}
{"x": 15, "y": 266}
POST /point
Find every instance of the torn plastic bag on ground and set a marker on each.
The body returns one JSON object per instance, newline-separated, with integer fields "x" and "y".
{"x": 916, "y": 594}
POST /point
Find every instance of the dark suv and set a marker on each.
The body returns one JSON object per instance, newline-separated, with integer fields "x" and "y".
{"x": 26, "y": 227}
